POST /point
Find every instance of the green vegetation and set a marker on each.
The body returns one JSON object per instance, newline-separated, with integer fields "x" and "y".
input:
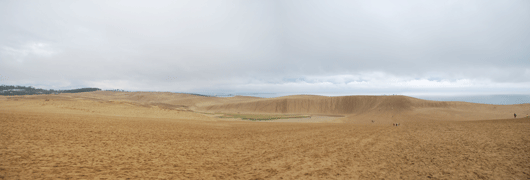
{"x": 7, "y": 90}
{"x": 261, "y": 117}
{"x": 205, "y": 113}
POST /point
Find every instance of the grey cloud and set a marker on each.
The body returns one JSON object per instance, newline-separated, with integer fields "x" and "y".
{"x": 224, "y": 44}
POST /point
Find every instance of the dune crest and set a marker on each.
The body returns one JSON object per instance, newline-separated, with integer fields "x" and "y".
{"x": 359, "y": 109}
{"x": 386, "y": 108}
{"x": 327, "y": 105}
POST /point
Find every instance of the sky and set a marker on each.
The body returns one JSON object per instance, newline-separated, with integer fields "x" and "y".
{"x": 269, "y": 46}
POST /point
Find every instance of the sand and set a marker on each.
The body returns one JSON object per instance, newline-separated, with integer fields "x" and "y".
{"x": 108, "y": 135}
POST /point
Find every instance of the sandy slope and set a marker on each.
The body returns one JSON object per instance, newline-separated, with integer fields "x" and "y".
{"x": 362, "y": 109}
{"x": 157, "y": 136}
{"x": 382, "y": 108}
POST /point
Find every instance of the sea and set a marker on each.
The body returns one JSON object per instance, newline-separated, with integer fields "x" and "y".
{"x": 498, "y": 99}
{"x": 504, "y": 99}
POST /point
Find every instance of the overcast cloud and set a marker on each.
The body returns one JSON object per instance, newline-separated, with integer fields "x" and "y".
{"x": 344, "y": 47}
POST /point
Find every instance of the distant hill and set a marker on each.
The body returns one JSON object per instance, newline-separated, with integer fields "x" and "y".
{"x": 9, "y": 90}
{"x": 379, "y": 108}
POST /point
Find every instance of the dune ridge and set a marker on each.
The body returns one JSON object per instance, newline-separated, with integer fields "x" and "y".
{"x": 387, "y": 108}
{"x": 328, "y": 105}
{"x": 352, "y": 109}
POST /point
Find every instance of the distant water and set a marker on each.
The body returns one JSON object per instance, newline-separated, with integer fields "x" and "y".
{"x": 484, "y": 99}
{"x": 261, "y": 95}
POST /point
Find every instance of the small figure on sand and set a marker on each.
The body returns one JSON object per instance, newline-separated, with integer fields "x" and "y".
{"x": 514, "y": 115}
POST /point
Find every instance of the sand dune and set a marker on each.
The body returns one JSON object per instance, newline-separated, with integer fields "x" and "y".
{"x": 381, "y": 108}
{"x": 327, "y": 105}
{"x": 350, "y": 109}
{"x": 375, "y": 106}
{"x": 118, "y": 135}
{"x": 353, "y": 109}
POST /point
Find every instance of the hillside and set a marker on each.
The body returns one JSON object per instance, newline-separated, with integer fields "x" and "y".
{"x": 352, "y": 109}
{"x": 387, "y": 108}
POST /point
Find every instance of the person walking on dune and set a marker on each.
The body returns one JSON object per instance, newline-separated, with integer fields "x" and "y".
{"x": 514, "y": 115}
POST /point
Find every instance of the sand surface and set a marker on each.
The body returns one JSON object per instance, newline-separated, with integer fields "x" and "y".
{"x": 108, "y": 135}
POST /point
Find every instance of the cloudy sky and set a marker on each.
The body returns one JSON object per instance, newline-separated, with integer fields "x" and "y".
{"x": 282, "y": 46}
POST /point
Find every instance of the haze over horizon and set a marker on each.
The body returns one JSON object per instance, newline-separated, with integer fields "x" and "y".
{"x": 303, "y": 47}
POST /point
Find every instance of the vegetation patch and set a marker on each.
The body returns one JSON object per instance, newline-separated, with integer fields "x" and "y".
{"x": 262, "y": 117}
{"x": 206, "y": 113}
{"x": 7, "y": 90}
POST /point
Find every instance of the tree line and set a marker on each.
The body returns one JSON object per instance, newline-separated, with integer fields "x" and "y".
{"x": 10, "y": 90}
